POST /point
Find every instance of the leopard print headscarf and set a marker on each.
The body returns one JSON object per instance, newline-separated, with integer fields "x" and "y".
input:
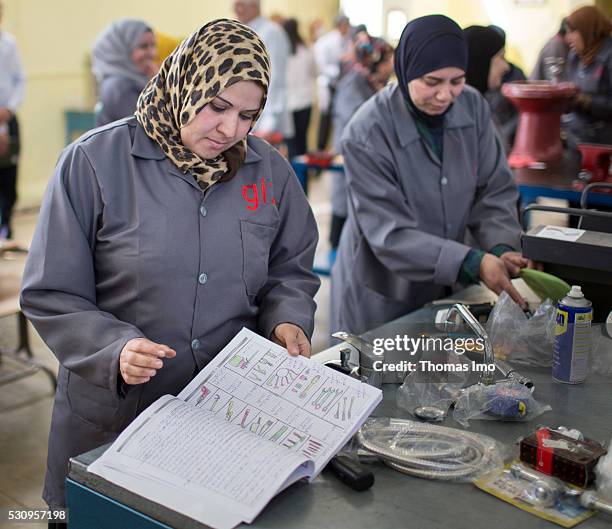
{"x": 219, "y": 54}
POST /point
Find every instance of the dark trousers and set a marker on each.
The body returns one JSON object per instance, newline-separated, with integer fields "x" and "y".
{"x": 324, "y": 130}
{"x": 298, "y": 144}
{"x": 337, "y": 223}
{"x": 8, "y": 185}
{"x": 325, "y": 123}
{"x": 8, "y": 197}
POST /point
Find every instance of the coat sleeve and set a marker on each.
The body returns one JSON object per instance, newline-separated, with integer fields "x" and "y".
{"x": 493, "y": 217}
{"x": 118, "y": 99}
{"x": 273, "y": 114}
{"x": 59, "y": 287}
{"x": 601, "y": 103}
{"x": 288, "y": 295}
{"x": 17, "y": 79}
{"x": 388, "y": 224}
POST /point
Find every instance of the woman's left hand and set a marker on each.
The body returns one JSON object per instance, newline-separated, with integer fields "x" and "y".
{"x": 292, "y": 338}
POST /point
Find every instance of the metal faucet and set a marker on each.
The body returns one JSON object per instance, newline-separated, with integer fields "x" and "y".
{"x": 486, "y": 377}
{"x": 505, "y": 369}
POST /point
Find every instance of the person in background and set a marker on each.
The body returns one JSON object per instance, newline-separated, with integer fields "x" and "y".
{"x": 370, "y": 73}
{"x": 423, "y": 166}
{"x": 12, "y": 92}
{"x": 589, "y": 66}
{"x": 166, "y": 44}
{"x": 123, "y": 59}
{"x": 301, "y": 75}
{"x": 330, "y": 50}
{"x": 156, "y": 243}
{"x": 552, "y": 55}
{"x": 275, "y": 118}
{"x": 487, "y": 70}
{"x": 316, "y": 29}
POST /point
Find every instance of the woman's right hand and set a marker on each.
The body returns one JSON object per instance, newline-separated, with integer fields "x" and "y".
{"x": 494, "y": 274}
{"x": 140, "y": 359}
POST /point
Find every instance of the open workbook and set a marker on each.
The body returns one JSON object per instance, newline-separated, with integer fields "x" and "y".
{"x": 254, "y": 421}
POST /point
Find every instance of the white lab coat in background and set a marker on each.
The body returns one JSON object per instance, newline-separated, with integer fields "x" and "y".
{"x": 275, "y": 116}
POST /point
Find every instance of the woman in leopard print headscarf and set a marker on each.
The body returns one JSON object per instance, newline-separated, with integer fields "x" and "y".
{"x": 215, "y": 57}
{"x": 161, "y": 235}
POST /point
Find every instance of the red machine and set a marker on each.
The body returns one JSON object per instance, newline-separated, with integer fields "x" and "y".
{"x": 540, "y": 105}
{"x": 595, "y": 163}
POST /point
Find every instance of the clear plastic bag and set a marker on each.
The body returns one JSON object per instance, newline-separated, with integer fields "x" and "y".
{"x": 519, "y": 339}
{"x": 430, "y": 451}
{"x": 601, "y": 351}
{"x": 427, "y": 390}
{"x": 603, "y": 473}
{"x": 506, "y": 400}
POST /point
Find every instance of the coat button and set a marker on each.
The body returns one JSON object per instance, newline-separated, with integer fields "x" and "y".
{"x": 195, "y": 344}
{"x": 202, "y": 279}
{"x": 444, "y": 180}
{"x": 203, "y": 211}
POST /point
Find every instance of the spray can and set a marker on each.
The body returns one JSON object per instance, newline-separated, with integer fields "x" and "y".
{"x": 572, "y": 338}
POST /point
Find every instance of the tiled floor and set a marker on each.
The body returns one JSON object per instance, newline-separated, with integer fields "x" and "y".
{"x": 25, "y": 405}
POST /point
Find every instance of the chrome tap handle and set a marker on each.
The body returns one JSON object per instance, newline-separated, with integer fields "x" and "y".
{"x": 509, "y": 372}
{"x": 486, "y": 377}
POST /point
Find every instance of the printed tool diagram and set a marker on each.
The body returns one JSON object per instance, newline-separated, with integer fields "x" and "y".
{"x": 263, "y": 367}
{"x": 344, "y": 412}
{"x": 282, "y": 378}
{"x": 305, "y": 384}
{"x": 204, "y": 392}
{"x": 325, "y": 398}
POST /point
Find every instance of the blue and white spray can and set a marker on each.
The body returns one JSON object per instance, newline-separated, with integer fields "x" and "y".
{"x": 572, "y": 338}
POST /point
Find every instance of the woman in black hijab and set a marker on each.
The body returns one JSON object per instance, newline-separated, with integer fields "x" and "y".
{"x": 487, "y": 71}
{"x": 423, "y": 166}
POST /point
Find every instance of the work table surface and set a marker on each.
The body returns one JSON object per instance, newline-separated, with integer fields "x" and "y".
{"x": 398, "y": 500}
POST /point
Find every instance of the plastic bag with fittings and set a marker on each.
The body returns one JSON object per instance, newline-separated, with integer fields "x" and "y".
{"x": 506, "y": 400}
{"x": 603, "y": 473}
{"x": 519, "y": 339}
{"x": 434, "y": 390}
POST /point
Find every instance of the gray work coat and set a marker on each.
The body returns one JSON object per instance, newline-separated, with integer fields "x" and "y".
{"x": 352, "y": 91}
{"x": 402, "y": 245}
{"x": 595, "y": 80}
{"x": 127, "y": 246}
{"x": 117, "y": 98}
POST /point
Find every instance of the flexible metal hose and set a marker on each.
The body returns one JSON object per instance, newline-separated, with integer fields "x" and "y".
{"x": 430, "y": 451}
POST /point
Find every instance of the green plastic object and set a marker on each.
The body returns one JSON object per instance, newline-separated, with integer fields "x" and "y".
{"x": 545, "y": 285}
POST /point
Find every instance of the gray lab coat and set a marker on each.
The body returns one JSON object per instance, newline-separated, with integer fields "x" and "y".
{"x": 402, "y": 245}
{"x": 117, "y": 98}
{"x": 504, "y": 113}
{"x": 595, "y": 80}
{"x": 352, "y": 91}
{"x": 128, "y": 246}
{"x": 555, "y": 48}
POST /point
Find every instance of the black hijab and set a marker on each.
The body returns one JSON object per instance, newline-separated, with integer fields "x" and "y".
{"x": 427, "y": 44}
{"x": 483, "y": 45}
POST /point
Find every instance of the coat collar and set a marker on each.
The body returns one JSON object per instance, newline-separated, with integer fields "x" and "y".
{"x": 458, "y": 116}
{"x": 142, "y": 145}
{"x": 145, "y": 147}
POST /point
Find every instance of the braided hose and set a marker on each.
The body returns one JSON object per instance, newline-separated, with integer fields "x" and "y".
{"x": 430, "y": 451}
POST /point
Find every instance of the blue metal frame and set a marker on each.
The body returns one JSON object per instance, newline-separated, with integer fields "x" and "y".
{"x": 88, "y": 509}
{"x": 529, "y": 194}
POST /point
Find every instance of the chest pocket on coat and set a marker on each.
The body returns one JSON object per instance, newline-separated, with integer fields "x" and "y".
{"x": 256, "y": 242}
